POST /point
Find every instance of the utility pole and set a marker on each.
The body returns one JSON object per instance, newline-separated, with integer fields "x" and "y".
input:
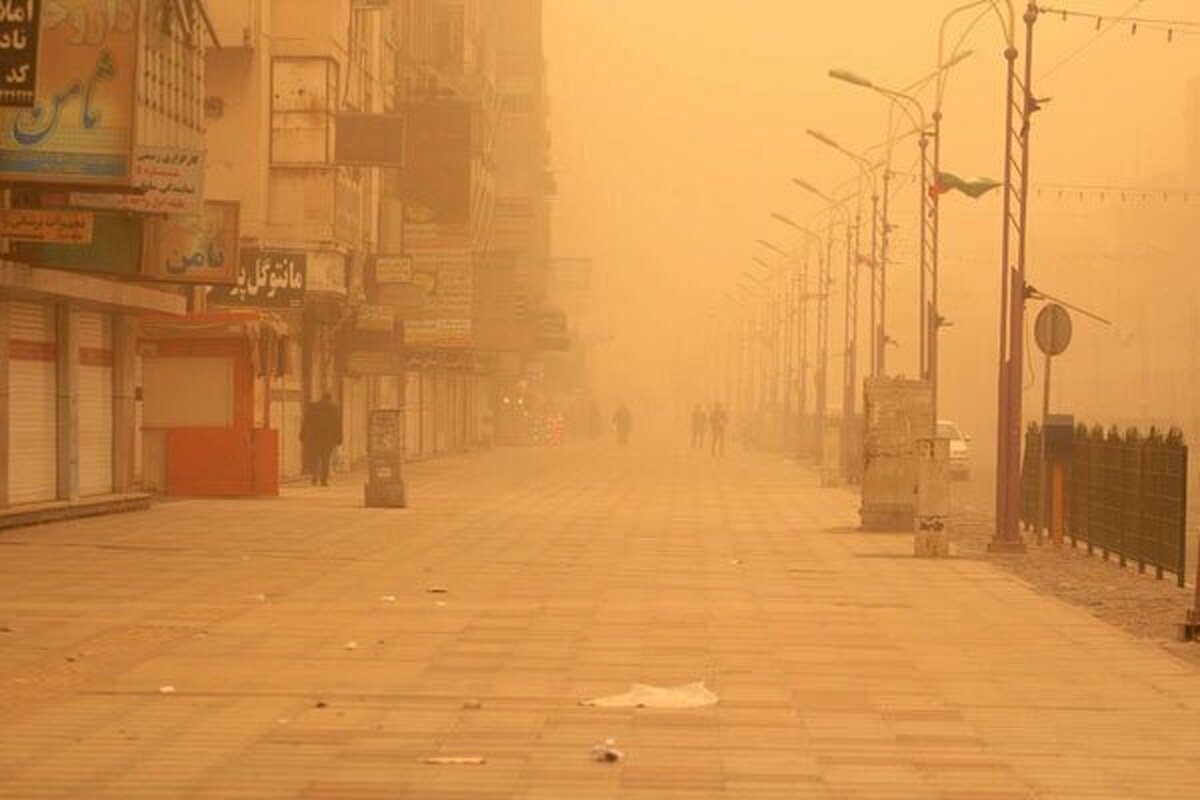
{"x": 823, "y": 288}
{"x": 1018, "y": 117}
{"x": 802, "y": 347}
{"x": 879, "y": 335}
{"x": 935, "y": 314}
{"x": 850, "y": 335}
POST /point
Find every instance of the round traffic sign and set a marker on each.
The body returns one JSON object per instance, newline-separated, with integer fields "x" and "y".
{"x": 1053, "y": 329}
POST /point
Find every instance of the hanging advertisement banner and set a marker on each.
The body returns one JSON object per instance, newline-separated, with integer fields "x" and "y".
{"x": 19, "y": 23}
{"x": 393, "y": 269}
{"x": 265, "y": 279}
{"x": 199, "y": 248}
{"x": 32, "y": 225}
{"x": 167, "y": 181}
{"x": 114, "y": 248}
{"x": 79, "y": 128}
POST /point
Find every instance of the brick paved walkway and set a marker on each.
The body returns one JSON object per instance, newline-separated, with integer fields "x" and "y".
{"x": 845, "y": 668}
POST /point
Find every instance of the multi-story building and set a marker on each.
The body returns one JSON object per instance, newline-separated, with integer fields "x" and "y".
{"x": 347, "y": 197}
{"x": 102, "y": 137}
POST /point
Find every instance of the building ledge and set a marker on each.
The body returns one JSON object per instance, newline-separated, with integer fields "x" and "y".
{"x": 57, "y": 510}
{"x": 121, "y": 296}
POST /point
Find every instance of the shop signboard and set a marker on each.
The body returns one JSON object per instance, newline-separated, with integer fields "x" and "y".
{"x": 194, "y": 248}
{"x": 115, "y": 248}
{"x": 79, "y": 128}
{"x": 437, "y": 333}
{"x": 35, "y": 225}
{"x": 438, "y": 144}
{"x": 374, "y": 362}
{"x": 265, "y": 279}
{"x": 165, "y": 181}
{"x": 552, "y": 330}
{"x": 393, "y": 269}
{"x": 375, "y": 318}
{"x": 19, "y": 24}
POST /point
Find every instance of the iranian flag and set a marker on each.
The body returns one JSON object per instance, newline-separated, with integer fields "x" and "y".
{"x": 971, "y": 187}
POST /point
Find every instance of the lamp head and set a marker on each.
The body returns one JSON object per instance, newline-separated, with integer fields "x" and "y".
{"x": 808, "y": 187}
{"x": 783, "y": 219}
{"x": 850, "y": 77}
{"x": 823, "y": 139}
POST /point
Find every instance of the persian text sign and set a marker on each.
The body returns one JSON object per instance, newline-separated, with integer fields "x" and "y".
{"x": 80, "y": 126}
{"x": 437, "y": 333}
{"x": 195, "y": 248}
{"x": 168, "y": 181}
{"x": 19, "y": 23}
{"x": 29, "y": 225}
{"x": 393, "y": 269}
{"x": 265, "y": 278}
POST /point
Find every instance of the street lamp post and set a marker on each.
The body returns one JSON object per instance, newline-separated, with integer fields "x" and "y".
{"x": 824, "y": 283}
{"x": 793, "y": 333}
{"x": 821, "y": 295}
{"x": 907, "y": 103}
{"x": 850, "y": 367}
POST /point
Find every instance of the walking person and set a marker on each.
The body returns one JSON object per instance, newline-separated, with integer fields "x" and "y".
{"x": 717, "y": 421}
{"x": 623, "y": 422}
{"x": 320, "y": 433}
{"x": 699, "y": 424}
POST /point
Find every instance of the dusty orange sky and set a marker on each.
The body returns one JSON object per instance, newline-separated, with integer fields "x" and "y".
{"x": 677, "y": 126}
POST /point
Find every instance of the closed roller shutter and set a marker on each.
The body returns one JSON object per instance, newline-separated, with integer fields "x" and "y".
{"x": 412, "y": 414}
{"x": 32, "y": 421}
{"x": 287, "y": 416}
{"x": 95, "y": 403}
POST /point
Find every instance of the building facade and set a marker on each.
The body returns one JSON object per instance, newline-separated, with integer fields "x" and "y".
{"x": 265, "y": 201}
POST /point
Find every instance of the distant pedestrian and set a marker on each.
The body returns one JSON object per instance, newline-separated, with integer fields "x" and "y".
{"x": 699, "y": 424}
{"x": 623, "y": 422}
{"x": 717, "y": 421}
{"x": 320, "y": 433}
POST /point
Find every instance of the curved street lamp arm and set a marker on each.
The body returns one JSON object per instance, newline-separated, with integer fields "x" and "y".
{"x": 943, "y": 63}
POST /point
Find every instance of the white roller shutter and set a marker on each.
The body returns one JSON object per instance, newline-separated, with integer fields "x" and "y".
{"x": 412, "y": 414}
{"x": 32, "y": 420}
{"x": 287, "y": 414}
{"x": 95, "y": 403}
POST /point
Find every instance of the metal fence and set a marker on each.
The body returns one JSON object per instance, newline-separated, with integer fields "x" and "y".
{"x": 1125, "y": 495}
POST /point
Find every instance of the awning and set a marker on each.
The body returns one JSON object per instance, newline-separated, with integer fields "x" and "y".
{"x": 22, "y": 280}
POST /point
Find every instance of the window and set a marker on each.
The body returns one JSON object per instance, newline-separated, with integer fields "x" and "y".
{"x": 304, "y": 95}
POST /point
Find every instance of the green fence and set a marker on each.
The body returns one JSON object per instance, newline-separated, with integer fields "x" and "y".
{"x": 1126, "y": 495}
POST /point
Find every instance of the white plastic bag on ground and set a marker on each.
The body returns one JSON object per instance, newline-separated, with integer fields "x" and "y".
{"x": 640, "y": 695}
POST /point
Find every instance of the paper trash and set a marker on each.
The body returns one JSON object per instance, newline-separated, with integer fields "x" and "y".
{"x": 689, "y": 695}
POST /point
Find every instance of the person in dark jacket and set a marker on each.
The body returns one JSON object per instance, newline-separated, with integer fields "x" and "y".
{"x": 699, "y": 424}
{"x": 717, "y": 420}
{"x": 321, "y": 432}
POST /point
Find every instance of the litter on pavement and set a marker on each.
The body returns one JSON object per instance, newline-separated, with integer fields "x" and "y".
{"x": 607, "y": 752}
{"x": 640, "y": 695}
{"x": 166, "y": 690}
{"x": 387, "y": 598}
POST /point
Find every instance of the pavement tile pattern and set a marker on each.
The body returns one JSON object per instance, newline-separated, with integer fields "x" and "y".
{"x": 292, "y": 648}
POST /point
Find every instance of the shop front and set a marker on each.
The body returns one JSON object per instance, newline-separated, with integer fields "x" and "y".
{"x": 206, "y": 416}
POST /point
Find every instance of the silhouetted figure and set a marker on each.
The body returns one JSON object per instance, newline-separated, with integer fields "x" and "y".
{"x": 321, "y": 432}
{"x": 718, "y": 420}
{"x": 623, "y": 422}
{"x": 699, "y": 425}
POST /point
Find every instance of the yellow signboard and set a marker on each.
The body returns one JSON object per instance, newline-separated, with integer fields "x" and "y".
{"x": 80, "y": 128}
{"x": 31, "y": 225}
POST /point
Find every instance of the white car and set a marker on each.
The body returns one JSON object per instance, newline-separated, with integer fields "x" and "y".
{"x": 960, "y": 449}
